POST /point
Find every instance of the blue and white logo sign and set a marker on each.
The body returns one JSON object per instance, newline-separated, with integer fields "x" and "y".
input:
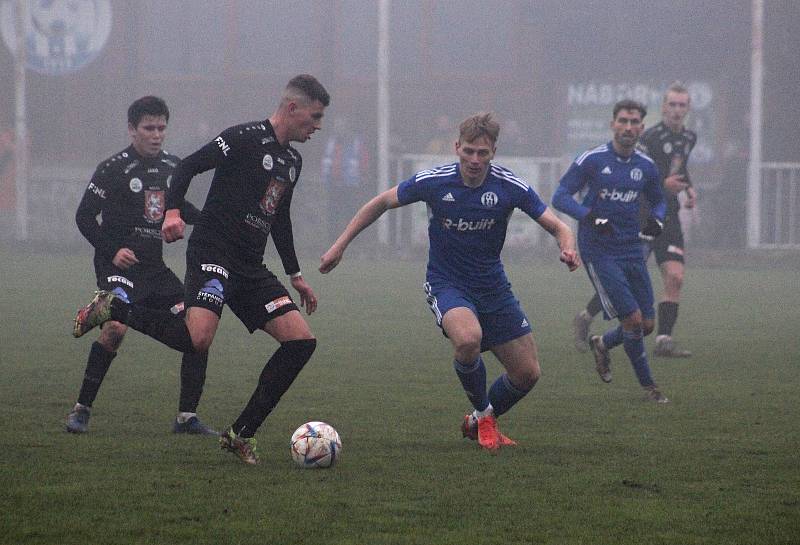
{"x": 61, "y": 36}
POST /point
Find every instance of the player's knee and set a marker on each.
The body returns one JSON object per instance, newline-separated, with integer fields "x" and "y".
{"x": 111, "y": 335}
{"x": 527, "y": 377}
{"x": 202, "y": 342}
{"x": 675, "y": 279}
{"x": 633, "y": 322}
{"x": 468, "y": 348}
{"x": 647, "y": 327}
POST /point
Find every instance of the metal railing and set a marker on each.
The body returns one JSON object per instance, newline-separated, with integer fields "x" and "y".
{"x": 779, "y": 225}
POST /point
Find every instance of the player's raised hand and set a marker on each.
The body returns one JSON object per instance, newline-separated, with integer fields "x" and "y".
{"x": 570, "y": 258}
{"x": 307, "y": 297}
{"x": 173, "y": 227}
{"x": 330, "y": 259}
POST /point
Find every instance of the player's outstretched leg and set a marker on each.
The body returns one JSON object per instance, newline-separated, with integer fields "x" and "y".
{"x": 78, "y": 419}
{"x": 582, "y": 322}
{"x": 652, "y": 393}
{"x": 193, "y": 377}
{"x": 488, "y": 433}
{"x": 276, "y": 377}
{"x": 666, "y": 347}
{"x": 602, "y": 358}
{"x": 580, "y": 331}
{"x": 469, "y": 430}
{"x": 634, "y": 347}
{"x": 243, "y": 447}
{"x": 97, "y": 312}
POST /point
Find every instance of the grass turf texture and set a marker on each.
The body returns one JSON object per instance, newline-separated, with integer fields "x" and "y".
{"x": 595, "y": 465}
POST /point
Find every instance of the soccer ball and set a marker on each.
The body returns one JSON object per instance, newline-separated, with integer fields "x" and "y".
{"x": 315, "y": 444}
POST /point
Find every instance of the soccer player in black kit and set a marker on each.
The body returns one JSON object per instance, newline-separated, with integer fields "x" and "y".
{"x": 255, "y": 172}
{"x": 128, "y": 192}
{"x": 669, "y": 144}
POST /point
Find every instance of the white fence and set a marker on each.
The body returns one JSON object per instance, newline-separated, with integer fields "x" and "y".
{"x": 410, "y": 224}
{"x": 53, "y": 197}
{"x": 779, "y": 210}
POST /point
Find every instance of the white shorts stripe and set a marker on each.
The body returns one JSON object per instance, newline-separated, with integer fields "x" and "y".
{"x": 433, "y": 303}
{"x": 601, "y": 292}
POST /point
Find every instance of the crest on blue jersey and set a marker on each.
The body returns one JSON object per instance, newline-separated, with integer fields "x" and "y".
{"x": 489, "y": 199}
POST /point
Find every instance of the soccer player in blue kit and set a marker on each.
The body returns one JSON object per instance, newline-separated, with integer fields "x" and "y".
{"x": 615, "y": 175}
{"x": 470, "y": 203}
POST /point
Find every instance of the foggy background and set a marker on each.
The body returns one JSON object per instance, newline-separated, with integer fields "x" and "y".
{"x": 549, "y": 69}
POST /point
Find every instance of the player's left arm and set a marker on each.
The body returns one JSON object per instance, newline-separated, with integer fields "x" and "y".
{"x": 563, "y": 235}
{"x": 283, "y": 237}
{"x": 658, "y": 206}
{"x": 691, "y": 194}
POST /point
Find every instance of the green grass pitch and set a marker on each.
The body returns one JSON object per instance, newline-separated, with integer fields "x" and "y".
{"x": 595, "y": 464}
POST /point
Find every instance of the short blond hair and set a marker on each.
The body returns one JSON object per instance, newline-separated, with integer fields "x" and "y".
{"x": 679, "y": 87}
{"x": 479, "y": 125}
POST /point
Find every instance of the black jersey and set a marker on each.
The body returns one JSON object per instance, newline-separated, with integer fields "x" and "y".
{"x": 128, "y": 191}
{"x": 250, "y": 194}
{"x": 670, "y": 151}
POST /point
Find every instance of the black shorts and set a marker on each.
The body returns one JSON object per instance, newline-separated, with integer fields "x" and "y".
{"x": 668, "y": 246}
{"x": 154, "y": 286}
{"x": 253, "y": 293}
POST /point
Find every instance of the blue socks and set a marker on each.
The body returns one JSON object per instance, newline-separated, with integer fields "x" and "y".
{"x": 633, "y": 342}
{"x": 473, "y": 380}
{"x": 612, "y": 338}
{"x": 503, "y": 395}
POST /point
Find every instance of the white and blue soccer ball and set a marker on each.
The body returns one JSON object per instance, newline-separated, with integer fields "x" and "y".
{"x": 315, "y": 445}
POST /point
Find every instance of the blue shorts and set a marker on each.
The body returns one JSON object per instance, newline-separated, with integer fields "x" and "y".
{"x": 498, "y": 325}
{"x": 623, "y": 286}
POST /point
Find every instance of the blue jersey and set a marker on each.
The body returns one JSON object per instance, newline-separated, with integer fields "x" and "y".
{"x": 614, "y": 186}
{"x": 468, "y": 225}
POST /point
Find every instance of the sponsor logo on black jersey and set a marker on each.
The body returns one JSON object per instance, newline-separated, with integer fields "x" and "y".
{"x": 115, "y": 278}
{"x": 96, "y": 190}
{"x": 216, "y": 269}
{"x": 222, "y": 145}
{"x": 135, "y": 184}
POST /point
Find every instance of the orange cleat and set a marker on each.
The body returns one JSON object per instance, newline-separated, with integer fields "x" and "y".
{"x": 469, "y": 430}
{"x": 488, "y": 434}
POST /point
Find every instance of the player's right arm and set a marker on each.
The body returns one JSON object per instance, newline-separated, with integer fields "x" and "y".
{"x": 93, "y": 203}
{"x": 366, "y": 216}
{"x": 571, "y": 183}
{"x": 209, "y": 156}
